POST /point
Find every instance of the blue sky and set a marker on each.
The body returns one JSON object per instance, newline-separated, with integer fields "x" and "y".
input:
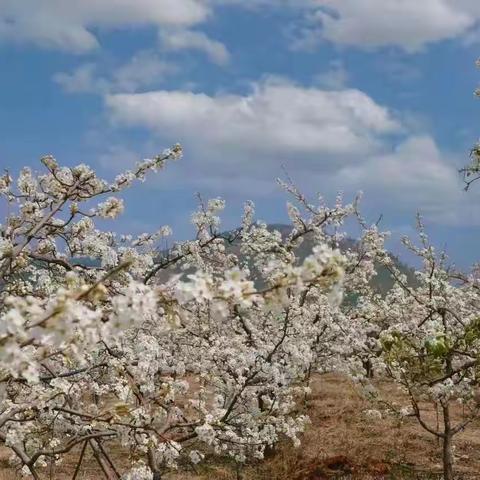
{"x": 371, "y": 95}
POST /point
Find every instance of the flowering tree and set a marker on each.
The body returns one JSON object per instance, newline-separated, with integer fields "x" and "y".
{"x": 170, "y": 355}
{"x": 426, "y": 338}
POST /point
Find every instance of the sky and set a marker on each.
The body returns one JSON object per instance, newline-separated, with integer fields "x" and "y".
{"x": 343, "y": 95}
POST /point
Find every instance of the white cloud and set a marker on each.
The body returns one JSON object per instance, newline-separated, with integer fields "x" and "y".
{"x": 142, "y": 70}
{"x": 276, "y": 120}
{"x": 328, "y": 139}
{"x": 409, "y": 24}
{"x": 191, "y": 40}
{"x": 414, "y": 175}
{"x": 68, "y": 25}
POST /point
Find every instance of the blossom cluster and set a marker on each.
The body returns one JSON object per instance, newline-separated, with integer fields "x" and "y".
{"x": 207, "y": 346}
{"x": 203, "y": 347}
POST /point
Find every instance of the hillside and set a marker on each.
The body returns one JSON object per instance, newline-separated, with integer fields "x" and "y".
{"x": 382, "y": 282}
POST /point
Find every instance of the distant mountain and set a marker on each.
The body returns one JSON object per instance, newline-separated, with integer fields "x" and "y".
{"x": 382, "y": 282}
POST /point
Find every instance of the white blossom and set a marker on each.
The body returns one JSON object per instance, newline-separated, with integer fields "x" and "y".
{"x": 111, "y": 208}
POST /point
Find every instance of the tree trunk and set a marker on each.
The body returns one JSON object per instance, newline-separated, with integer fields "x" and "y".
{"x": 447, "y": 445}
{"x": 152, "y": 463}
{"x": 447, "y": 427}
{"x": 108, "y": 471}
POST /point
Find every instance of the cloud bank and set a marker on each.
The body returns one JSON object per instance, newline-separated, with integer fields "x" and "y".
{"x": 408, "y": 24}
{"x": 330, "y": 139}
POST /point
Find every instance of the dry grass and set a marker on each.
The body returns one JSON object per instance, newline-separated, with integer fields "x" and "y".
{"x": 340, "y": 443}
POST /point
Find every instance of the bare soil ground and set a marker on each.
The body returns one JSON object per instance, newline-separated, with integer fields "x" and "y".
{"x": 341, "y": 443}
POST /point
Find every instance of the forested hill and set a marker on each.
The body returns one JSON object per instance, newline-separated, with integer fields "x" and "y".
{"x": 383, "y": 281}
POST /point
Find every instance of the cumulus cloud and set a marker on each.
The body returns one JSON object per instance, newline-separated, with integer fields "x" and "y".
{"x": 414, "y": 175}
{"x": 69, "y": 25}
{"x": 329, "y": 139}
{"x": 277, "y": 119}
{"x": 409, "y": 24}
{"x": 175, "y": 40}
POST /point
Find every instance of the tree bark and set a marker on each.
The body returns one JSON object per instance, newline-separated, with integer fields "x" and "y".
{"x": 152, "y": 463}
{"x": 447, "y": 445}
{"x": 447, "y": 426}
{"x": 107, "y": 470}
